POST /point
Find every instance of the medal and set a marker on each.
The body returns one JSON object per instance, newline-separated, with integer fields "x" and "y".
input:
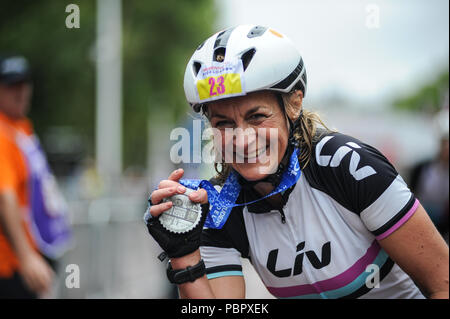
{"x": 183, "y": 216}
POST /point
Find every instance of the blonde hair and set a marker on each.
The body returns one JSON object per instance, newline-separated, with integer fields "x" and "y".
{"x": 305, "y": 134}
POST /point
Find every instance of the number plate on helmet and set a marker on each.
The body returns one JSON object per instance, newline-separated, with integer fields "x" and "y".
{"x": 220, "y": 80}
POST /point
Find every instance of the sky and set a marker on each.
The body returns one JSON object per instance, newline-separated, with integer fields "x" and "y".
{"x": 367, "y": 52}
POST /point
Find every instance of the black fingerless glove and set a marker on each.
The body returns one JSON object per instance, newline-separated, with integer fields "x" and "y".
{"x": 175, "y": 245}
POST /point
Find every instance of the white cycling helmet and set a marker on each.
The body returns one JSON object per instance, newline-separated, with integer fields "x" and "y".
{"x": 240, "y": 60}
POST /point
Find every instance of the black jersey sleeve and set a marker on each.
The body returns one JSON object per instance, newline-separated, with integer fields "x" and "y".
{"x": 362, "y": 180}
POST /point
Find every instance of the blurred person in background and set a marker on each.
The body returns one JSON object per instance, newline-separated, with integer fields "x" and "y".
{"x": 430, "y": 181}
{"x": 33, "y": 224}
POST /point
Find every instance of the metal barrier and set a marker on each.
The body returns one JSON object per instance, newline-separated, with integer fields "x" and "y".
{"x": 115, "y": 256}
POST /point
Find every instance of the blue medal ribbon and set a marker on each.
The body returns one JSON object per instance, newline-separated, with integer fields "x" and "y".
{"x": 222, "y": 203}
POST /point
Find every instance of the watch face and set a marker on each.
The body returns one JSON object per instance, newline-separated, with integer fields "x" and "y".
{"x": 183, "y": 216}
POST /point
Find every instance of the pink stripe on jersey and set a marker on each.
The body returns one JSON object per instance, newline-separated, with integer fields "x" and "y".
{"x": 400, "y": 222}
{"x": 333, "y": 283}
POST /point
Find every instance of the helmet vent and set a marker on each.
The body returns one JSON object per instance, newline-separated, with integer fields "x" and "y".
{"x": 220, "y": 44}
{"x": 201, "y": 45}
{"x": 247, "y": 58}
{"x": 219, "y": 54}
{"x": 196, "y": 67}
{"x": 222, "y": 38}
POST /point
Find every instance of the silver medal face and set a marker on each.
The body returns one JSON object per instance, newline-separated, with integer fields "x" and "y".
{"x": 183, "y": 216}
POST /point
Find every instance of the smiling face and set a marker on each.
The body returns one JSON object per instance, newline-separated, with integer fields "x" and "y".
{"x": 254, "y": 133}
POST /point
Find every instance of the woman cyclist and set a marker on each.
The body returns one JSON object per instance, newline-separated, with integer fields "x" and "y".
{"x": 326, "y": 217}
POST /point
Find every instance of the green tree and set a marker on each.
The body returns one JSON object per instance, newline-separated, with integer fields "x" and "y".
{"x": 158, "y": 39}
{"x": 60, "y": 58}
{"x": 154, "y": 62}
{"x": 427, "y": 98}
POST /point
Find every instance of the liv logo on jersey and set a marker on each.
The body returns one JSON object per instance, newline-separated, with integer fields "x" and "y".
{"x": 312, "y": 257}
{"x": 335, "y": 160}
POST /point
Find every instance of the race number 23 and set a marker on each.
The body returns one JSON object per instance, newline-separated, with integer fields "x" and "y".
{"x": 219, "y": 89}
{"x": 214, "y": 86}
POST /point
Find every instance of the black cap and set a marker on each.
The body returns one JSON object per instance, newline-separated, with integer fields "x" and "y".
{"x": 14, "y": 69}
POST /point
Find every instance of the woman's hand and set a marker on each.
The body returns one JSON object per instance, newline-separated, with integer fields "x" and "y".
{"x": 175, "y": 244}
{"x": 170, "y": 187}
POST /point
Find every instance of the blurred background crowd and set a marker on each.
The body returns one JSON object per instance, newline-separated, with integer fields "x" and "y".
{"x": 107, "y": 93}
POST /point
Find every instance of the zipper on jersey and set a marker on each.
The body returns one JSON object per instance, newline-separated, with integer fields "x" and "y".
{"x": 283, "y": 216}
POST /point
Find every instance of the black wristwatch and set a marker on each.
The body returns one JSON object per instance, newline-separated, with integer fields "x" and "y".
{"x": 189, "y": 274}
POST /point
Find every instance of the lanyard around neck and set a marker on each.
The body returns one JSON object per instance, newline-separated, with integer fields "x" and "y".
{"x": 221, "y": 203}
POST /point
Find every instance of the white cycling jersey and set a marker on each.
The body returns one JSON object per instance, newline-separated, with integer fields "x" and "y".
{"x": 323, "y": 242}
